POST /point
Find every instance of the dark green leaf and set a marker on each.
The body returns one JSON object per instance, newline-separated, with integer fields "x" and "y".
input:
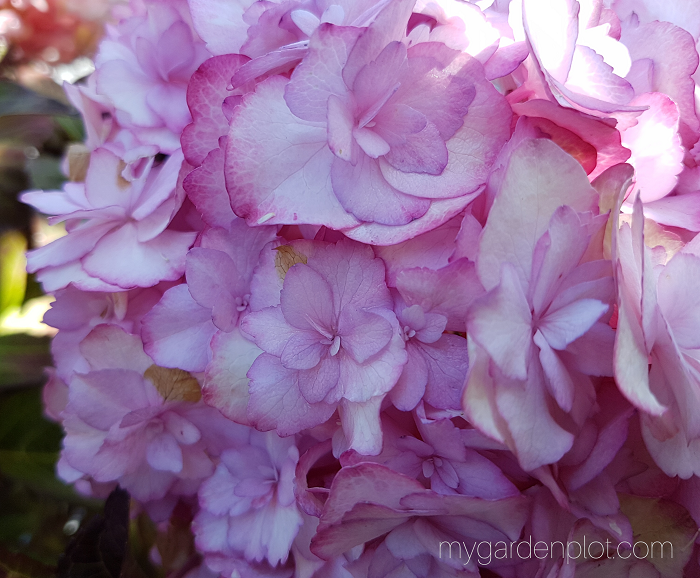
{"x": 21, "y": 566}
{"x": 45, "y": 173}
{"x": 15, "y": 99}
{"x": 72, "y": 126}
{"x": 22, "y": 360}
{"x": 99, "y": 548}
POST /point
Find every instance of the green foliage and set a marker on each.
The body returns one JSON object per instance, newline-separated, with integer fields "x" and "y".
{"x": 34, "y": 505}
{"x": 22, "y": 360}
{"x": 13, "y": 278}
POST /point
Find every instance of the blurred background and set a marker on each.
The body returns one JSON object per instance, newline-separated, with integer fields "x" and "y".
{"x": 44, "y": 43}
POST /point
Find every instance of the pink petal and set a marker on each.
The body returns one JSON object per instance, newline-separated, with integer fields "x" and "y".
{"x": 439, "y": 213}
{"x": 206, "y": 92}
{"x": 360, "y": 382}
{"x": 679, "y": 302}
{"x": 363, "y": 333}
{"x": 319, "y": 74}
{"x": 184, "y": 431}
{"x": 110, "y": 347}
{"x": 274, "y": 62}
{"x": 340, "y": 129}
{"x": 557, "y": 378}
{"x": 214, "y": 283}
{"x": 677, "y": 211}
{"x": 448, "y": 363}
{"x": 506, "y": 60}
{"x": 567, "y": 324}
{"x": 604, "y": 138}
{"x": 423, "y": 153}
{"x": 206, "y": 189}
{"x": 479, "y": 398}
{"x": 95, "y": 400}
{"x": 537, "y": 438}
{"x": 377, "y": 80}
{"x": 242, "y": 244}
{"x": 501, "y": 322}
{"x": 220, "y": 24}
{"x": 128, "y": 88}
{"x": 410, "y": 387}
{"x": 538, "y": 179}
{"x": 364, "y": 192}
{"x": 269, "y": 329}
{"x": 357, "y": 276}
{"x": 471, "y": 150}
{"x": 306, "y": 300}
{"x": 75, "y": 245}
{"x": 50, "y": 202}
{"x": 373, "y": 145}
{"x": 657, "y": 153}
{"x": 319, "y": 384}
{"x": 164, "y": 453}
{"x": 390, "y": 24}
{"x": 552, "y": 32}
{"x": 355, "y": 484}
{"x": 120, "y": 259}
{"x": 225, "y": 381}
{"x": 303, "y": 350}
{"x": 264, "y": 173}
{"x": 556, "y": 254}
{"x": 430, "y": 249}
{"x": 591, "y": 76}
{"x": 362, "y": 425}
{"x": 277, "y": 403}
{"x": 177, "y": 331}
{"x": 675, "y": 59}
{"x": 448, "y": 291}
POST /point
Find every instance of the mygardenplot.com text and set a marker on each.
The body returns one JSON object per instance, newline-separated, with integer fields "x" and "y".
{"x": 483, "y": 553}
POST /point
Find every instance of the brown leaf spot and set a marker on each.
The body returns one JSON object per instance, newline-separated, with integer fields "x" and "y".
{"x": 286, "y": 258}
{"x": 174, "y": 384}
{"x": 122, "y": 183}
{"x": 78, "y": 161}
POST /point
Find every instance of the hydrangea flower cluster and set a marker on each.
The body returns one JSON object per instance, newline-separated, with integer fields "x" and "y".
{"x": 354, "y": 280}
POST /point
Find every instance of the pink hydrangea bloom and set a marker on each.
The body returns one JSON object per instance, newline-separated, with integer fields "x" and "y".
{"x": 248, "y": 506}
{"x": 148, "y": 60}
{"x": 178, "y": 330}
{"x": 117, "y": 222}
{"x": 381, "y": 141}
{"x": 369, "y": 501}
{"x": 545, "y": 297}
{"x": 427, "y": 303}
{"x": 121, "y": 427}
{"x": 331, "y": 341}
{"x": 75, "y": 313}
{"x": 436, "y": 453}
{"x": 345, "y": 283}
{"x": 656, "y": 347}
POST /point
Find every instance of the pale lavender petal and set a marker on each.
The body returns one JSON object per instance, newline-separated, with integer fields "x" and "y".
{"x": 306, "y": 300}
{"x": 567, "y": 324}
{"x": 559, "y": 383}
{"x": 501, "y": 322}
{"x": 363, "y": 333}
{"x": 277, "y": 403}
{"x": 164, "y": 453}
{"x": 267, "y": 165}
{"x": 177, "y": 331}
